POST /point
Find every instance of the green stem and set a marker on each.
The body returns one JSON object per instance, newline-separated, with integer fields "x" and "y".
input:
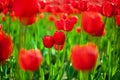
{"x": 25, "y": 32}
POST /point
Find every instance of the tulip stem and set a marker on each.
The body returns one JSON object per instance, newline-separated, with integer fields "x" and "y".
{"x": 49, "y": 52}
{"x": 58, "y": 56}
{"x": 25, "y": 31}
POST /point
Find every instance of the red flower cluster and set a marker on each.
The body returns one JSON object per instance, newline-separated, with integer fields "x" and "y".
{"x": 66, "y": 24}
{"x": 84, "y": 57}
{"x": 92, "y": 23}
{"x": 6, "y": 46}
{"x": 6, "y": 6}
{"x": 30, "y": 60}
{"x": 58, "y": 39}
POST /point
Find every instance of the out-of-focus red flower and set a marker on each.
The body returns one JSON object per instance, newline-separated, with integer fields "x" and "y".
{"x": 92, "y": 23}
{"x": 12, "y": 15}
{"x": 0, "y": 27}
{"x": 1, "y": 6}
{"x": 48, "y": 41}
{"x": 84, "y": 58}
{"x": 58, "y": 47}
{"x": 52, "y": 18}
{"x": 42, "y": 4}
{"x": 75, "y": 4}
{"x": 118, "y": 20}
{"x": 49, "y": 8}
{"x": 68, "y": 25}
{"x": 108, "y": 9}
{"x": 59, "y": 37}
{"x": 74, "y": 19}
{"x": 59, "y": 24}
{"x": 30, "y": 60}
{"x": 41, "y": 15}
{"x": 25, "y": 8}
{"x": 64, "y": 16}
{"x": 116, "y": 2}
{"x": 78, "y": 29}
{"x": 3, "y": 18}
{"x": 95, "y": 7}
{"x": 82, "y": 5}
{"x": 57, "y": 9}
{"x": 6, "y": 45}
{"x": 27, "y": 20}
{"x": 67, "y": 8}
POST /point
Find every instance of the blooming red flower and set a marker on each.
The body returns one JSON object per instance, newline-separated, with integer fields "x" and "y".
{"x": 59, "y": 24}
{"x": 84, "y": 57}
{"x": 73, "y": 19}
{"x": 48, "y": 41}
{"x": 108, "y": 9}
{"x": 59, "y": 37}
{"x": 6, "y": 46}
{"x": 69, "y": 24}
{"x": 30, "y": 60}
{"x": 92, "y": 23}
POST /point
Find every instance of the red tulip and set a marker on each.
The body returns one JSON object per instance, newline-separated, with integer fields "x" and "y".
{"x": 59, "y": 38}
{"x": 84, "y": 57}
{"x": 25, "y": 8}
{"x": 75, "y": 4}
{"x": 30, "y": 60}
{"x": 108, "y": 9}
{"x": 69, "y": 24}
{"x": 48, "y": 41}
{"x": 82, "y": 5}
{"x": 94, "y": 7}
{"x": 6, "y": 46}
{"x": 73, "y": 19}
{"x": 68, "y": 8}
{"x": 118, "y": 20}
{"x": 59, "y": 24}
{"x": 92, "y": 23}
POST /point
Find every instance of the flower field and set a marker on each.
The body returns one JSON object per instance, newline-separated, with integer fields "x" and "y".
{"x": 59, "y": 39}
